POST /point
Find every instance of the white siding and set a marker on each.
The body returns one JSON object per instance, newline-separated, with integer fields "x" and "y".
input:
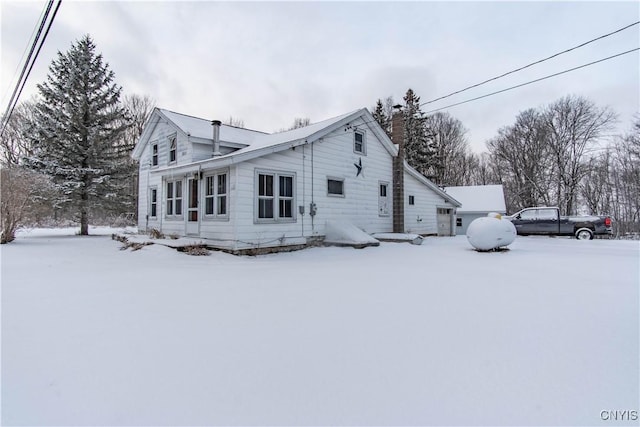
{"x": 311, "y": 164}
{"x": 204, "y": 151}
{"x": 421, "y": 218}
{"x": 333, "y": 156}
{"x": 150, "y": 177}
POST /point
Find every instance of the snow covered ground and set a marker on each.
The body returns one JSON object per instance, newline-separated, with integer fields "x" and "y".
{"x": 544, "y": 334}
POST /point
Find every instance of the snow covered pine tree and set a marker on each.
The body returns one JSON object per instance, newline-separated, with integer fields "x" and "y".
{"x": 78, "y": 123}
{"x": 419, "y": 145}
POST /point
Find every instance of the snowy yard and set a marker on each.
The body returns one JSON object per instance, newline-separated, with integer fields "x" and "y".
{"x": 544, "y": 334}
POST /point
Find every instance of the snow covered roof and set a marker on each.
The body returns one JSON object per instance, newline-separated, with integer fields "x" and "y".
{"x": 417, "y": 175}
{"x": 202, "y": 128}
{"x": 252, "y": 143}
{"x": 303, "y": 133}
{"x": 479, "y": 198}
{"x": 256, "y": 144}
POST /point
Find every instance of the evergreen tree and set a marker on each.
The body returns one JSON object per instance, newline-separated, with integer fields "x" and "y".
{"x": 383, "y": 113}
{"x": 78, "y": 124}
{"x": 419, "y": 143}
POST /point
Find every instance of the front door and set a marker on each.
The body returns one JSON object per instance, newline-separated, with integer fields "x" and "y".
{"x": 192, "y": 207}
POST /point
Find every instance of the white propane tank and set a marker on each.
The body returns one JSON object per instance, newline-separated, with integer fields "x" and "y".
{"x": 491, "y": 232}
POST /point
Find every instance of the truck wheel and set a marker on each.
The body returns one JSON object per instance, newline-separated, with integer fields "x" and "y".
{"x": 584, "y": 234}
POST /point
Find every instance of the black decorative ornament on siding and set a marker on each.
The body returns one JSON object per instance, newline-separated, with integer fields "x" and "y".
{"x": 358, "y": 167}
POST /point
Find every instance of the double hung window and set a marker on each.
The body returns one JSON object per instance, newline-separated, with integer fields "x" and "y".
{"x": 174, "y": 198}
{"x": 359, "y": 143}
{"x": 275, "y": 198}
{"x": 215, "y": 196}
{"x": 153, "y": 202}
{"x": 173, "y": 147}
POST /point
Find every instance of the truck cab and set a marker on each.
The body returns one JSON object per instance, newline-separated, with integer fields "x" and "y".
{"x": 540, "y": 220}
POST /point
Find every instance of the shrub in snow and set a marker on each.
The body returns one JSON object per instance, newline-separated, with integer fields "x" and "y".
{"x": 156, "y": 234}
{"x": 491, "y": 232}
{"x": 196, "y": 250}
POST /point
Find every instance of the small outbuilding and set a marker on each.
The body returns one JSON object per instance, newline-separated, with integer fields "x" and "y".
{"x": 477, "y": 201}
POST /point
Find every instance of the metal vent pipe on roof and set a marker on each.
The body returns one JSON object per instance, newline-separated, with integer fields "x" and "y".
{"x": 216, "y": 137}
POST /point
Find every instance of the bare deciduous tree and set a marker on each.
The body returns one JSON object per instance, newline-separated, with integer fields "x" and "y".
{"x": 300, "y": 122}
{"x": 574, "y": 126}
{"x": 25, "y": 196}
{"x": 520, "y": 154}
{"x": 450, "y": 149}
{"x": 14, "y": 146}
{"x": 232, "y": 121}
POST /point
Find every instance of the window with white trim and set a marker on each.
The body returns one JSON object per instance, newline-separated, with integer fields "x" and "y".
{"x": 335, "y": 187}
{"x": 412, "y": 200}
{"x": 275, "y": 197}
{"x": 285, "y": 196}
{"x": 215, "y": 195}
{"x": 359, "y": 143}
{"x": 154, "y": 155}
{"x": 173, "y": 147}
{"x": 174, "y": 198}
{"x": 153, "y": 202}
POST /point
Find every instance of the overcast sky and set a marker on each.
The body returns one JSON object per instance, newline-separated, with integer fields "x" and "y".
{"x": 267, "y": 63}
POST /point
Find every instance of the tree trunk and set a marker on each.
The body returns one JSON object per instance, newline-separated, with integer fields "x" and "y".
{"x": 84, "y": 214}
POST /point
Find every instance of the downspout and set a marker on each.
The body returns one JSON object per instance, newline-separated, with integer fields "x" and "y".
{"x": 146, "y": 227}
{"x": 233, "y": 215}
{"x": 304, "y": 199}
{"x": 313, "y": 204}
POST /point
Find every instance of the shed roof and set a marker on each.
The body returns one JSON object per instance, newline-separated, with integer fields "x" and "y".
{"x": 479, "y": 198}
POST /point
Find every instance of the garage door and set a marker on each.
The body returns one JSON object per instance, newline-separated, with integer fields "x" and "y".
{"x": 444, "y": 222}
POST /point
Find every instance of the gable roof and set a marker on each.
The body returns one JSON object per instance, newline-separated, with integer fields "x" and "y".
{"x": 202, "y": 128}
{"x": 479, "y": 198}
{"x": 263, "y": 143}
{"x": 428, "y": 183}
{"x": 195, "y": 128}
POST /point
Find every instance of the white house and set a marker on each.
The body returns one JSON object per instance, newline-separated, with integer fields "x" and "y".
{"x": 477, "y": 201}
{"x": 242, "y": 189}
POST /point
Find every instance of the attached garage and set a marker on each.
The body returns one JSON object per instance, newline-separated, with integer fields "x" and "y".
{"x": 445, "y": 218}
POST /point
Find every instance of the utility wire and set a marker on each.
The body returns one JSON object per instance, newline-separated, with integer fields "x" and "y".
{"x": 534, "y": 81}
{"x": 26, "y": 63}
{"x": 44, "y": 37}
{"x": 24, "y": 52}
{"x": 531, "y": 64}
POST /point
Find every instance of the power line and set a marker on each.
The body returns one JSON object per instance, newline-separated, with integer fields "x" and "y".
{"x": 41, "y": 18}
{"x": 531, "y": 64}
{"x": 534, "y": 81}
{"x": 10, "y": 108}
{"x": 26, "y": 63}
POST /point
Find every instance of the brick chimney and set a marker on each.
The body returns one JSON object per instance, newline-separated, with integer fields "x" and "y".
{"x": 216, "y": 137}
{"x": 397, "y": 137}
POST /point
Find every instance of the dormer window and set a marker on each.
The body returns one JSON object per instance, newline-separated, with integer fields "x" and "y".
{"x": 358, "y": 142}
{"x": 172, "y": 149}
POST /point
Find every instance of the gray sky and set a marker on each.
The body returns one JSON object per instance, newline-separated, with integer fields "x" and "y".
{"x": 267, "y": 63}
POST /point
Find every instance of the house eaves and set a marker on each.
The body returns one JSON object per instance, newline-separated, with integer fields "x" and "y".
{"x": 417, "y": 175}
{"x": 155, "y": 118}
{"x": 278, "y": 142}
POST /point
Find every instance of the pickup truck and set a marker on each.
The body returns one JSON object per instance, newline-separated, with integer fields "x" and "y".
{"x": 548, "y": 221}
